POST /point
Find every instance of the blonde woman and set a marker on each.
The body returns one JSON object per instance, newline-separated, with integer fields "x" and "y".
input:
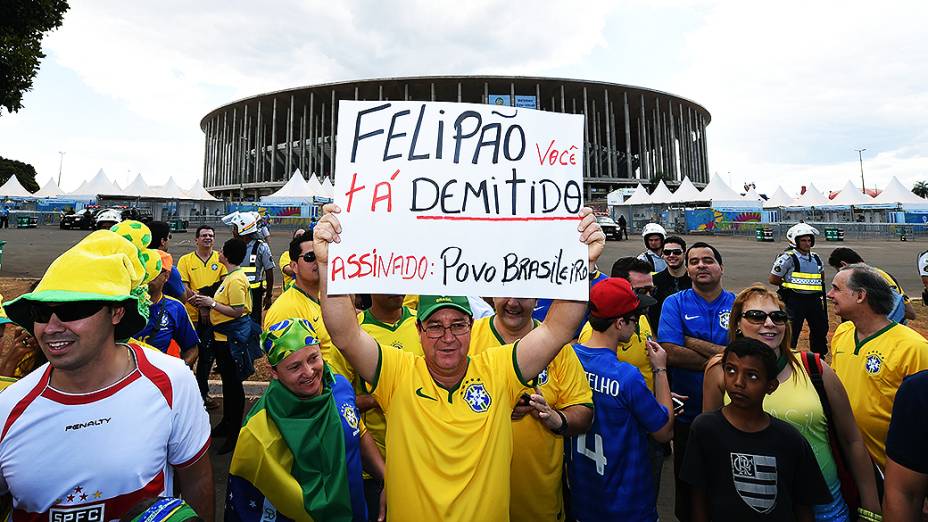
{"x": 759, "y": 313}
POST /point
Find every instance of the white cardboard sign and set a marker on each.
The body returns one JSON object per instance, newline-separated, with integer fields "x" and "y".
{"x": 458, "y": 199}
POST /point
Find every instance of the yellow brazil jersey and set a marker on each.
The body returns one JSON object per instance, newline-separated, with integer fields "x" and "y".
{"x": 633, "y": 351}
{"x": 892, "y": 283}
{"x": 411, "y": 301}
{"x": 872, "y": 370}
{"x": 234, "y": 291}
{"x": 449, "y": 448}
{"x": 402, "y": 335}
{"x": 295, "y": 303}
{"x": 196, "y": 274}
{"x": 537, "y": 454}
{"x": 283, "y": 262}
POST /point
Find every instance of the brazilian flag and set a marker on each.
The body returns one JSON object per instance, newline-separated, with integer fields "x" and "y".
{"x": 289, "y": 462}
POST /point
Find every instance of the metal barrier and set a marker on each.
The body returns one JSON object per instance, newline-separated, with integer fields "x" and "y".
{"x": 852, "y": 231}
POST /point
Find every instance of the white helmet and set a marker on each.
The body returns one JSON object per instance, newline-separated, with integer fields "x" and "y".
{"x": 798, "y": 230}
{"x": 109, "y": 216}
{"x": 244, "y": 222}
{"x": 653, "y": 228}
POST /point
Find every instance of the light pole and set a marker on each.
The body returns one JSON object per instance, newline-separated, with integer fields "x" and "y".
{"x": 60, "y": 164}
{"x": 863, "y": 186}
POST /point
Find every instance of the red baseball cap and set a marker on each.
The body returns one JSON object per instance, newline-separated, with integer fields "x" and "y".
{"x": 614, "y": 297}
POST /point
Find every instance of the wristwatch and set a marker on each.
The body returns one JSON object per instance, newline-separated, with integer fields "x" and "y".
{"x": 562, "y": 430}
{"x": 213, "y": 305}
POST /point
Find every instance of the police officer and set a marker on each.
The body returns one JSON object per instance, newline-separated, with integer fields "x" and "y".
{"x": 799, "y": 273}
{"x": 653, "y": 235}
{"x": 258, "y": 264}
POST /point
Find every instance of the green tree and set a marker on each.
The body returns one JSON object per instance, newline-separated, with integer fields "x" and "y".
{"x": 23, "y": 23}
{"x": 24, "y": 172}
{"x": 920, "y": 189}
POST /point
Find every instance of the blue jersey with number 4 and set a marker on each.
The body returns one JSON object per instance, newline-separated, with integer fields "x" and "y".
{"x": 609, "y": 467}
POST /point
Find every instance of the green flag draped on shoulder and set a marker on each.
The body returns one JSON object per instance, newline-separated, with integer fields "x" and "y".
{"x": 290, "y": 457}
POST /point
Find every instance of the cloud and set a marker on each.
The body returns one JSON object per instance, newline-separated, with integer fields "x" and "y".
{"x": 797, "y": 86}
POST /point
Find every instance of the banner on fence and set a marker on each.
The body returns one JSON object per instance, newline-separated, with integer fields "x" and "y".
{"x": 458, "y": 199}
{"x": 710, "y": 219}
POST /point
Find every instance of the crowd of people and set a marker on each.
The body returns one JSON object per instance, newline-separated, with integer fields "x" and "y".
{"x": 505, "y": 408}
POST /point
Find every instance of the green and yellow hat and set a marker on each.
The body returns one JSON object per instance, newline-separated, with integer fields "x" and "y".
{"x": 103, "y": 267}
{"x": 286, "y": 337}
{"x": 429, "y": 304}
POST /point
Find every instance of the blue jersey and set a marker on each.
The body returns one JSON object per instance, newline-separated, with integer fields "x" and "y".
{"x": 168, "y": 320}
{"x": 174, "y": 286}
{"x": 609, "y": 466}
{"x": 686, "y": 314}
{"x": 542, "y": 306}
{"x": 343, "y": 393}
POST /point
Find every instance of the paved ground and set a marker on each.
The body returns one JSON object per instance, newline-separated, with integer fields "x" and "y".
{"x": 28, "y": 253}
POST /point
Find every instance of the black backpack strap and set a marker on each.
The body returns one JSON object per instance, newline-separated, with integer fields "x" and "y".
{"x": 812, "y": 362}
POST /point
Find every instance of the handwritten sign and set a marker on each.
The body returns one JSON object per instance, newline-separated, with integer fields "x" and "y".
{"x": 458, "y": 199}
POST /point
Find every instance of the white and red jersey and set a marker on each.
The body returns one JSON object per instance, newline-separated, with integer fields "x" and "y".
{"x": 90, "y": 457}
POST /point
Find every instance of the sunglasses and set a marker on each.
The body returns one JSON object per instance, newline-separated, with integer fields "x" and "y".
{"x": 309, "y": 257}
{"x": 760, "y": 317}
{"x": 65, "y": 312}
{"x": 672, "y": 252}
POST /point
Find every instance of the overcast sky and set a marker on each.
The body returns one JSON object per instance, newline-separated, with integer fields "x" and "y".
{"x": 793, "y": 87}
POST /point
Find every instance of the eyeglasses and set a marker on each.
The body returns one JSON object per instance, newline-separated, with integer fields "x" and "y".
{"x": 673, "y": 252}
{"x": 309, "y": 257}
{"x": 437, "y": 331}
{"x": 760, "y": 316}
{"x": 644, "y": 290}
{"x": 65, "y": 312}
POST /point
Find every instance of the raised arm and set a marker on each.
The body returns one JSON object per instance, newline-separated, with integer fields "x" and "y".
{"x": 539, "y": 347}
{"x": 338, "y": 313}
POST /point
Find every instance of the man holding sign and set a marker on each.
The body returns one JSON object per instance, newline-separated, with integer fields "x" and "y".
{"x": 450, "y": 435}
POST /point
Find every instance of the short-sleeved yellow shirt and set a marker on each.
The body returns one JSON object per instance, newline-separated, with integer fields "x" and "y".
{"x": 196, "y": 274}
{"x": 402, "y": 335}
{"x": 537, "y": 453}
{"x": 411, "y": 301}
{"x": 871, "y": 370}
{"x": 634, "y": 351}
{"x": 449, "y": 449}
{"x": 295, "y": 303}
{"x": 283, "y": 262}
{"x": 234, "y": 291}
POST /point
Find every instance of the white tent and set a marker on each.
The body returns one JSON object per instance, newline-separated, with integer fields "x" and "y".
{"x": 99, "y": 184}
{"x": 661, "y": 194}
{"x": 138, "y": 188}
{"x": 295, "y": 189}
{"x": 813, "y": 197}
{"x": 171, "y": 190}
{"x": 779, "y": 199}
{"x": 721, "y": 195}
{"x": 314, "y": 186}
{"x": 13, "y": 189}
{"x": 687, "y": 192}
{"x": 614, "y": 198}
{"x": 639, "y": 197}
{"x": 896, "y": 194}
{"x": 49, "y": 190}
{"x": 198, "y": 193}
{"x": 753, "y": 197}
{"x": 328, "y": 188}
{"x": 849, "y": 196}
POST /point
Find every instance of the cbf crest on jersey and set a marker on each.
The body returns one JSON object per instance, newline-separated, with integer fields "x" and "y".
{"x": 723, "y": 319}
{"x": 350, "y": 416}
{"x": 874, "y": 363}
{"x": 542, "y": 378}
{"x": 755, "y": 478}
{"x": 476, "y": 395}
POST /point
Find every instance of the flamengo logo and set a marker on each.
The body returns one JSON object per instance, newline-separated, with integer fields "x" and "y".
{"x": 79, "y": 425}
{"x": 92, "y": 513}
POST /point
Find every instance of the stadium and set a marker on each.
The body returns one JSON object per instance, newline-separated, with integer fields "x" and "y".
{"x": 632, "y": 134}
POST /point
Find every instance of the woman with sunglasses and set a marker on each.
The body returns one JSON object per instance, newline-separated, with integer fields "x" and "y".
{"x": 759, "y": 313}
